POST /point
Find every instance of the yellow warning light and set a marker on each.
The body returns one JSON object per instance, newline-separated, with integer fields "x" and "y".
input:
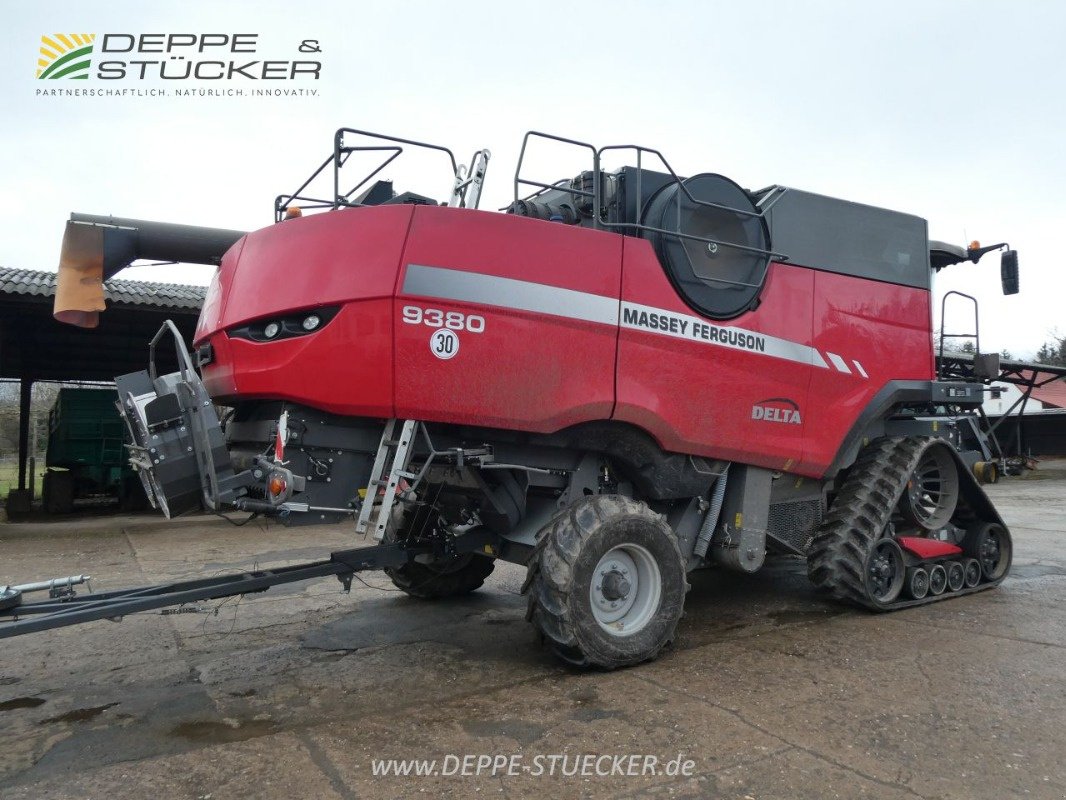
{"x": 975, "y": 245}
{"x": 292, "y": 212}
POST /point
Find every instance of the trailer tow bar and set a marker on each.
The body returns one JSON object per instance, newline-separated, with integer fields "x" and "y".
{"x": 71, "y": 609}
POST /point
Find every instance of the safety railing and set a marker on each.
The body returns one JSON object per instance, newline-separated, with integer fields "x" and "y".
{"x": 599, "y": 214}
{"x": 465, "y": 186}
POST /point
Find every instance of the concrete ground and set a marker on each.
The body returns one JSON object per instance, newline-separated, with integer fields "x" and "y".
{"x": 771, "y": 691}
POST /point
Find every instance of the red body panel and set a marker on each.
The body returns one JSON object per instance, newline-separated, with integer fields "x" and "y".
{"x": 349, "y": 258}
{"x": 698, "y": 398}
{"x": 527, "y": 370}
{"x": 885, "y": 327}
{"x": 547, "y": 321}
{"x": 347, "y": 371}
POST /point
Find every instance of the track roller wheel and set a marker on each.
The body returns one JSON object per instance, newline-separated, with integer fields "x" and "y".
{"x": 990, "y": 544}
{"x": 938, "y": 579}
{"x": 932, "y": 491}
{"x": 956, "y": 575}
{"x": 606, "y": 583}
{"x": 917, "y": 582}
{"x": 973, "y": 572}
{"x": 885, "y": 571}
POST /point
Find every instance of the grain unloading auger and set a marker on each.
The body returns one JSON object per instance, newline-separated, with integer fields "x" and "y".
{"x": 627, "y": 376}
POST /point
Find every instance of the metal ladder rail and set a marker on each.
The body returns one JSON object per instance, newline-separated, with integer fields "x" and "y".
{"x": 393, "y": 456}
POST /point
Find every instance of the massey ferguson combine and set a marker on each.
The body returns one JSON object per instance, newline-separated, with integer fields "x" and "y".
{"x": 627, "y": 376}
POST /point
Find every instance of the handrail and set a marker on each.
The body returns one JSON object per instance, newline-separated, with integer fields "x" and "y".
{"x": 600, "y": 222}
{"x": 338, "y": 158}
{"x": 976, "y": 335}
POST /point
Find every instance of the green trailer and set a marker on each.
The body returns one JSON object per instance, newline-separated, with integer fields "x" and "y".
{"x": 87, "y": 460}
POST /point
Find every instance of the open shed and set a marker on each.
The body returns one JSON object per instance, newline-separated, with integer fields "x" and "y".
{"x": 35, "y": 347}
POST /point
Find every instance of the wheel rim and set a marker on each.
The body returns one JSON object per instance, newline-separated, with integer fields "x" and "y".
{"x": 919, "y": 583}
{"x": 938, "y": 580}
{"x": 973, "y": 572}
{"x": 993, "y": 552}
{"x": 956, "y": 576}
{"x": 626, "y": 589}
{"x": 885, "y": 571}
{"x": 933, "y": 490}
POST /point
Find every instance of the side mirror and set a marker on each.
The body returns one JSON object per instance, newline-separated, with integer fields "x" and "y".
{"x": 1008, "y": 271}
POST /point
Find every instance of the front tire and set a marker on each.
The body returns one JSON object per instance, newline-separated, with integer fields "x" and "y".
{"x": 607, "y": 583}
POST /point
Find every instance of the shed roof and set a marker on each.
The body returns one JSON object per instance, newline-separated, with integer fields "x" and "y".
{"x": 34, "y": 345}
{"x": 36, "y": 283}
{"x": 1052, "y": 394}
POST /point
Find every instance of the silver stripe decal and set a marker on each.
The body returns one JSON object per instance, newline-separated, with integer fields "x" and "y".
{"x": 492, "y": 290}
{"x": 838, "y": 362}
{"x": 684, "y": 326}
{"x": 858, "y": 366}
{"x": 539, "y": 298}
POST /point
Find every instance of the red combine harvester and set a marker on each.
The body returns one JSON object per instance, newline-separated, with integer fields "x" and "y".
{"x": 627, "y": 376}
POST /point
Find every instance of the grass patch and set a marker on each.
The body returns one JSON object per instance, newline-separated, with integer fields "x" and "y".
{"x": 9, "y": 476}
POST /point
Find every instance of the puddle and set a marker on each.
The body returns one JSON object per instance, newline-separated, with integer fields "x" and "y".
{"x": 22, "y": 702}
{"x": 216, "y": 732}
{"x": 521, "y": 731}
{"x": 79, "y": 714}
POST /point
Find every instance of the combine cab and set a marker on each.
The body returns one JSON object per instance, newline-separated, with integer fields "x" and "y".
{"x": 627, "y": 376}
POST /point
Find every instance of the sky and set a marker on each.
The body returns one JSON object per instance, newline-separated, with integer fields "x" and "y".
{"x": 953, "y": 111}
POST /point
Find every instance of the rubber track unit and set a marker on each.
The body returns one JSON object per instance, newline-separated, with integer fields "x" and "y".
{"x": 861, "y": 510}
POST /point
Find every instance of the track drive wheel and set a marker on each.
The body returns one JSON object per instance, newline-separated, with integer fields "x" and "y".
{"x": 932, "y": 491}
{"x": 606, "y": 583}
{"x": 440, "y": 578}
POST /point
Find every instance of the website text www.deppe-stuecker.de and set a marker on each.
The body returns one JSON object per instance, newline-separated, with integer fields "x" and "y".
{"x": 585, "y": 765}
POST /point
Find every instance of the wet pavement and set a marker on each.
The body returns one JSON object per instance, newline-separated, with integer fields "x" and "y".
{"x": 771, "y": 691}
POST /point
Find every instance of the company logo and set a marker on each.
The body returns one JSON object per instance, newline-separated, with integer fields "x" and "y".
{"x": 777, "y": 409}
{"x": 175, "y": 57}
{"x": 65, "y": 55}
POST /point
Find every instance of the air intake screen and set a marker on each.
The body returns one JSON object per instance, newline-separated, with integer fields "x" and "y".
{"x": 722, "y": 277}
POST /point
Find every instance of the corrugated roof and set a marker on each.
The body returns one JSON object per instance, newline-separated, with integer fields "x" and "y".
{"x": 34, "y": 283}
